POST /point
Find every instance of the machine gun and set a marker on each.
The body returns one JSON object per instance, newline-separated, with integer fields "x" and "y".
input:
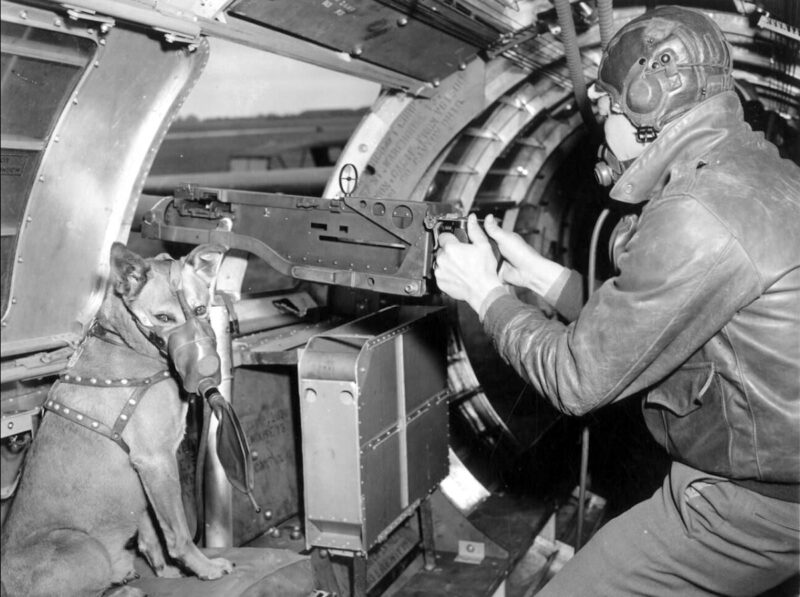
{"x": 376, "y": 244}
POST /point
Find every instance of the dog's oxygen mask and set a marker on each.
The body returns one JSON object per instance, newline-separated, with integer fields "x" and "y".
{"x": 192, "y": 347}
{"x": 193, "y": 351}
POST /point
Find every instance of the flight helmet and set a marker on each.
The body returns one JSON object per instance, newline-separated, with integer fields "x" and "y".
{"x": 663, "y": 63}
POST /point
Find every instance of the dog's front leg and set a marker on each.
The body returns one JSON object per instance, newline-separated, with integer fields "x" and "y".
{"x": 149, "y": 545}
{"x": 159, "y": 475}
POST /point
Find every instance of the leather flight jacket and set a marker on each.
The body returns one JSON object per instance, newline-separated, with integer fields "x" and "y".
{"x": 705, "y": 311}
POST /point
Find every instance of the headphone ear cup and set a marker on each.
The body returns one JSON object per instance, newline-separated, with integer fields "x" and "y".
{"x": 644, "y": 95}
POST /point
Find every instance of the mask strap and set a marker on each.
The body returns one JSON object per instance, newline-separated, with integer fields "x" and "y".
{"x": 176, "y": 285}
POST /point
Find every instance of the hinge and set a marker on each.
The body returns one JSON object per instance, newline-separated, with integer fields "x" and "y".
{"x": 176, "y": 37}
{"x": 77, "y": 13}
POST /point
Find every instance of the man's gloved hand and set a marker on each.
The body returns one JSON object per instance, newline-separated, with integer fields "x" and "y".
{"x": 467, "y": 271}
{"x": 523, "y": 266}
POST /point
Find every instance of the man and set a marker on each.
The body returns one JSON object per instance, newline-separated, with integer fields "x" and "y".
{"x": 704, "y": 314}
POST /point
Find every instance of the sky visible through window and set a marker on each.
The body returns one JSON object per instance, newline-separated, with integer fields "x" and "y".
{"x": 239, "y": 81}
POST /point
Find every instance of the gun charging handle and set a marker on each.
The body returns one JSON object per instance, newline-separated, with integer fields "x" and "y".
{"x": 457, "y": 226}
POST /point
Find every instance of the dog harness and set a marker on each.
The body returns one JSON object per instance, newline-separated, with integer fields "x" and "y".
{"x": 140, "y": 386}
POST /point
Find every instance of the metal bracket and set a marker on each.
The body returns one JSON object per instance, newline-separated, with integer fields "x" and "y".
{"x": 508, "y": 42}
{"x": 20, "y": 422}
{"x": 471, "y": 552}
{"x": 77, "y": 13}
{"x": 175, "y": 37}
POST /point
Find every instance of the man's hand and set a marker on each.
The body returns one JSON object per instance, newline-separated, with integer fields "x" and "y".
{"x": 524, "y": 266}
{"x": 467, "y": 271}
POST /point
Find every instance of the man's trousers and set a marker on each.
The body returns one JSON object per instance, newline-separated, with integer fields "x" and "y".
{"x": 697, "y": 535}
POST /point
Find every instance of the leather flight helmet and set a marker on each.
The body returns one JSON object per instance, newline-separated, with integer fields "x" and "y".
{"x": 663, "y": 63}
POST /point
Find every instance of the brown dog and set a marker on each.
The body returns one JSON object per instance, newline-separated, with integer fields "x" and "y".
{"x": 82, "y": 498}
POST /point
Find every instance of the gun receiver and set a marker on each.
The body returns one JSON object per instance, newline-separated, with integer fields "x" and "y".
{"x": 375, "y": 244}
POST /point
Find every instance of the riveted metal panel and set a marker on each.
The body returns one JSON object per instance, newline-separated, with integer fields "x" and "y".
{"x": 374, "y": 32}
{"x": 379, "y": 475}
{"x": 427, "y": 439}
{"x": 86, "y": 186}
{"x": 377, "y": 383}
{"x": 331, "y": 463}
{"x": 384, "y": 496}
{"x": 425, "y": 357}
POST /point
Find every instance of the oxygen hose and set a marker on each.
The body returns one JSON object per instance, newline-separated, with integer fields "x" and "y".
{"x": 573, "y": 56}
{"x": 585, "y": 433}
{"x": 199, "y": 474}
{"x": 605, "y": 13}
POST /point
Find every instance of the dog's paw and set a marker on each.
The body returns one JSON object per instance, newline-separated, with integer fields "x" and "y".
{"x": 168, "y": 571}
{"x": 217, "y": 567}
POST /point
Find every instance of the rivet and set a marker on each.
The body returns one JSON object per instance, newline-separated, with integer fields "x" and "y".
{"x": 57, "y": 407}
{"x": 123, "y": 381}
{"x": 75, "y": 101}
{"x": 124, "y": 417}
{"x": 436, "y": 82}
{"x": 78, "y": 378}
{"x": 95, "y": 424}
{"x": 41, "y": 178}
{"x": 93, "y": 380}
{"x": 23, "y": 14}
{"x": 131, "y": 401}
{"x": 79, "y": 417}
{"x": 115, "y": 436}
{"x": 50, "y": 403}
{"x": 101, "y": 41}
{"x": 66, "y": 411}
{"x": 96, "y": 63}
{"x": 146, "y": 381}
{"x": 58, "y": 22}
{"x": 108, "y": 382}
{"x": 402, "y": 22}
{"x": 629, "y": 188}
{"x": 66, "y": 377}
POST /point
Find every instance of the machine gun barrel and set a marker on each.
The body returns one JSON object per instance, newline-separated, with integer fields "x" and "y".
{"x": 384, "y": 245}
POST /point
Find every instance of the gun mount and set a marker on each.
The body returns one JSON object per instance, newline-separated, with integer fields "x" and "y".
{"x": 375, "y": 244}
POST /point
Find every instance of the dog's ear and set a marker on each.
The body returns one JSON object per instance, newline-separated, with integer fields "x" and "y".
{"x": 128, "y": 271}
{"x": 205, "y": 260}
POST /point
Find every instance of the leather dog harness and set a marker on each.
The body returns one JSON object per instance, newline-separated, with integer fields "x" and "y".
{"x": 113, "y": 433}
{"x": 139, "y": 386}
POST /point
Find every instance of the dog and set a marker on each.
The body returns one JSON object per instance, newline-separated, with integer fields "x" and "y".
{"x": 83, "y": 498}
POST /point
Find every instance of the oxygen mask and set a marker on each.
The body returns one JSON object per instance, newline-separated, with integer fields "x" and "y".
{"x": 609, "y": 168}
{"x": 193, "y": 350}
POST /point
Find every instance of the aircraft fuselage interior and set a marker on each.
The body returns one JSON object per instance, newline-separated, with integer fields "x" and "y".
{"x": 363, "y": 437}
